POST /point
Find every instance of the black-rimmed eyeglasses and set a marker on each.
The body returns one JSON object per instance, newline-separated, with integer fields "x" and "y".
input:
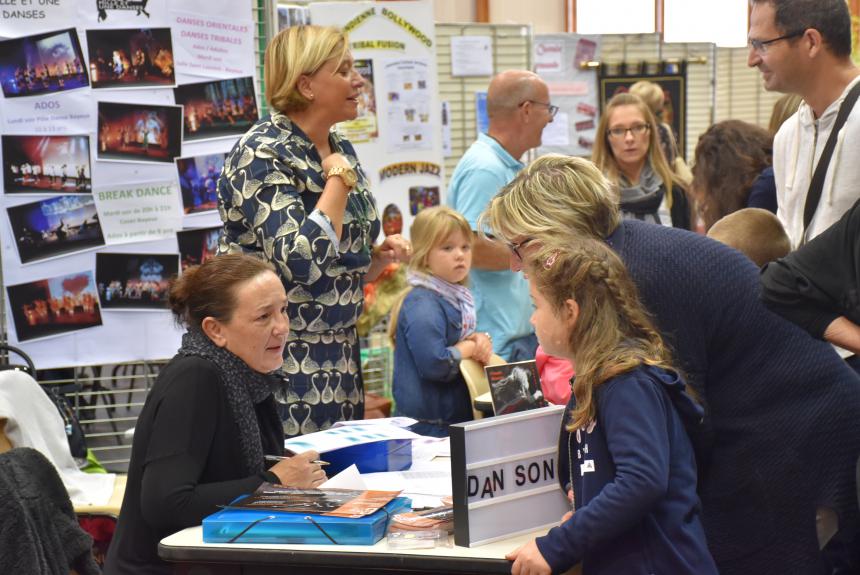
{"x": 516, "y": 247}
{"x": 621, "y": 132}
{"x": 553, "y": 110}
{"x": 760, "y": 46}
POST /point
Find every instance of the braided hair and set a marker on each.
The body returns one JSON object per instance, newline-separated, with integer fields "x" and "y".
{"x": 613, "y": 333}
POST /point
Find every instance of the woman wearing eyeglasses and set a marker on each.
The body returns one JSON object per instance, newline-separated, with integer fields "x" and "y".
{"x": 627, "y": 151}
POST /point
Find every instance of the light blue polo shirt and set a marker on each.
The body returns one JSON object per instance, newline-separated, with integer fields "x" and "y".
{"x": 501, "y": 297}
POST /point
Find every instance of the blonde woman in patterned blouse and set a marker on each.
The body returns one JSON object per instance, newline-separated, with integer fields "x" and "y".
{"x": 292, "y": 191}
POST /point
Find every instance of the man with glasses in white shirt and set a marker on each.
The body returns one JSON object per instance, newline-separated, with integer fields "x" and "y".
{"x": 804, "y": 47}
{"x": 519, "y": 108}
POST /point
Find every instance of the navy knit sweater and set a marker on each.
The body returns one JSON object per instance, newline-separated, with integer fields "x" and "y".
{"x": 782, "y": 410}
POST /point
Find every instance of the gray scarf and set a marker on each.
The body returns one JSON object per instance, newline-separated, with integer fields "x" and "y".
{"x": 641, "y": 201}
{"x": 244, "y": 387}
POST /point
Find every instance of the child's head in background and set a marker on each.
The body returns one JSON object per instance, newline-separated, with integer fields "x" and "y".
{"x": 442, "y": 244}
{"x": 756, "y": 233}
{"x": 587, "y": 309}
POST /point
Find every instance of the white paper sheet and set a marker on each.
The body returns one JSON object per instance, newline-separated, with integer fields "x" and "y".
{"x": 557, "y": 132}
{"x": 400, "y": 421}
{"x": 349, "y": 478}
{"x": 139, "y": 212}
{"x": 425, "y": 488}
{"x": 24, "y": 17}
{"x": 65, "y": 113}
{"x": 339, "y": 437}
{"x": 212, "y": 47}
{"x": 427, "y": 448}
{"x": 471, "y": 56}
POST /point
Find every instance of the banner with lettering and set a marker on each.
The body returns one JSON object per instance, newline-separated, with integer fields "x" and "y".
{"x": 401, "y": 151}
{"x": 19, "y": 17}
{"x": 140, "y": 212}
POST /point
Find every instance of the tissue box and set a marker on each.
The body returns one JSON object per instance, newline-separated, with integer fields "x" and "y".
{"x": 263, "y": 526}
{"x": 387, "y": 455}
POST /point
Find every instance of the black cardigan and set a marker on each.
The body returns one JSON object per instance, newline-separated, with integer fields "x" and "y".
{"x": 185, "y": 460}
{"x": 821, "y": 280}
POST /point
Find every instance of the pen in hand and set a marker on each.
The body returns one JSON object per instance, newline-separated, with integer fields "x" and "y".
{"x": 281, "y": 458}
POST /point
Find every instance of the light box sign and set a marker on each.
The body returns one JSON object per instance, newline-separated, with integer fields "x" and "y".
{"x": 506, "y": 467}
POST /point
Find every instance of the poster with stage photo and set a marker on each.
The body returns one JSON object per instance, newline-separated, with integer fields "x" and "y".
{"x": 54, "y": 306}
{"x": 46, "y": 164}
{"x": 217, "y": 109}
{"x": 198, "y": 179}
{"x": 135, "y": 58}
{"x": 135, "y": 281}
{"x": 672, "y": 77}
{"x": 55, "y": 227}
{"x": 515, "y": 387}
{"x": 42, "y": 64}
{"x": 139, "y": 132}
{"x": 197, "y": 246}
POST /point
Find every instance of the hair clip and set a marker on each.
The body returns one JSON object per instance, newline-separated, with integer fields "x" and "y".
{"x": 550, "y": 260}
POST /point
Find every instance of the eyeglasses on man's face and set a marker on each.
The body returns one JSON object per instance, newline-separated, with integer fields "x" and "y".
{"x": 553, "y": 110}
{"x": 760, "y": 46}
{"x": 620, "y": 132}
{"x": 516, "y": 247}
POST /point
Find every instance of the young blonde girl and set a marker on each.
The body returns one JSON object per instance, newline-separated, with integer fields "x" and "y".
{"x": 433, "y": 327}
{"x": 625, "y": 457}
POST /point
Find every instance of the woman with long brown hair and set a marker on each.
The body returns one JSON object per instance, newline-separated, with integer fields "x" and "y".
{"x": 628, "y": 152}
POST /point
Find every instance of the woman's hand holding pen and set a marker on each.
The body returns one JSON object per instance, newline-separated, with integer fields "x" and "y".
{"x": 301, "y": 470}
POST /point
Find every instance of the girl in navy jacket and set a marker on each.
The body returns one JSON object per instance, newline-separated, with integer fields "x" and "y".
{"x": 625, "y": 457}
{"x": 434, "y": 325}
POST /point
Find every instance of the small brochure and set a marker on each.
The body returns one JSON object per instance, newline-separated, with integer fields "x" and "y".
{"x": 335, "y": 502}
{"x": 515, "y": 387}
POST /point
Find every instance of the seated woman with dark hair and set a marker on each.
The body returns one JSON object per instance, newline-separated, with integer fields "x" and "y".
{"x": 732, "y": 170}
{"x": 210, "y": 418}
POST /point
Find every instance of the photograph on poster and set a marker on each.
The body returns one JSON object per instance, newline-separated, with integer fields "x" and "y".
{"x": 42, "y": 64}
{"x": 421, "y": 197}
{"x": 217, "y": 109}
{"x": 135, "y": 281}
{"x": 197, "y": 246}
{"x": 46, "y": 164}
{"x": 54, "y": 306}
{"x": 139, "y": 132}
{"x": 198, "y": 177}
{"x": 130, "y": 58}
{"x": 54, "y": 227}
{"x": 392, "y": 220}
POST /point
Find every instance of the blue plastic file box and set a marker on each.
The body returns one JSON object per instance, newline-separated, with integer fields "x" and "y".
{"x": 388, "y": 455}
{"x": 261, "y": 526}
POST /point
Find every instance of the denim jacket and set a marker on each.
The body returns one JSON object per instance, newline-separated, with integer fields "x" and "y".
{"x": 428, "y": 385}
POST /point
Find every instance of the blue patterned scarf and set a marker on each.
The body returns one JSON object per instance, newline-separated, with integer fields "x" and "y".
{"x": 458, "y": 296}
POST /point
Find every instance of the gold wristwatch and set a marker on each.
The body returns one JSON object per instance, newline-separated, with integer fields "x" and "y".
{"x": 346, "y": 174}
